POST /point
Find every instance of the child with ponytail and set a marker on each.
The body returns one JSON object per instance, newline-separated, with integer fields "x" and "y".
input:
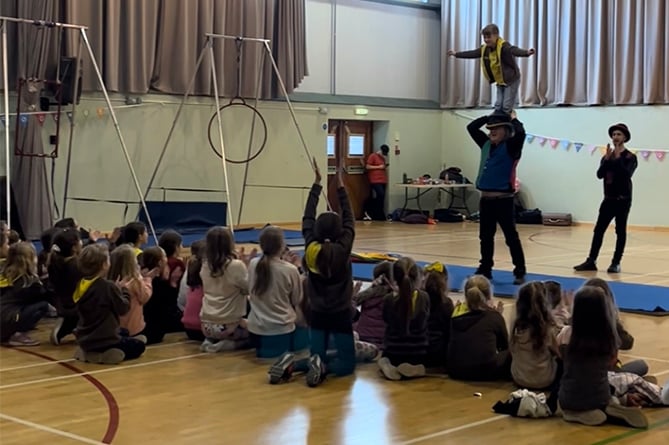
{"x": 478, "y": 348}
{"x": 329, "y": 288}
{"x": 406, "y": 314}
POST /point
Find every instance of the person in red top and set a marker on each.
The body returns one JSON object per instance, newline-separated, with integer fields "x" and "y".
{"x": 376, "y": 166}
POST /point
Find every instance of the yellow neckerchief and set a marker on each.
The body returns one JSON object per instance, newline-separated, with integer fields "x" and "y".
{"x": 435, "y": 267}
{"x": 414, "y": 298}
{"x": 495, "y": 60}
{"x": 82, "y": 287}
{"x": 137, "y": 250}
{"x": 310, "y": 255}
{"x": 4, "y": 281}
{"x": 460, "y": 309}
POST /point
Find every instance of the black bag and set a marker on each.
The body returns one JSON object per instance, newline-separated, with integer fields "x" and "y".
{"x": 447, "y": 215}
{"x": 453, "y": 174}
{"x": 530, "y": 217}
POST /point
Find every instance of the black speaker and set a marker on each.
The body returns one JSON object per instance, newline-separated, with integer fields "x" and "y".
{"x": 67, "y": 95}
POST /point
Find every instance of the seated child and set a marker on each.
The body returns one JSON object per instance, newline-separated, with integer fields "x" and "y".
{"x": 435, "y": 284}
{"x": 101, "y": 303}
{"x": 170, "y": 242}
{"x": 193, "y": 294}
{"x": 478, "y": 347}
{"x": 559, "y": 303}
{"x": 124, "y": 268}
{"x": 370, "y": 326}
{"x": 22, "y": 295}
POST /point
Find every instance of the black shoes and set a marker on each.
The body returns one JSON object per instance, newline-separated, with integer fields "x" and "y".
{"x": 587, "y": 265}
{"x": 518, "y": 280}
{"x": 614, "y": 268}
{"x": 485, "y": 273}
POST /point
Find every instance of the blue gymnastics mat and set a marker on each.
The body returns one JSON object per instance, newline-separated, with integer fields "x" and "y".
{"x": 242, "y": 236}
{"x": 630, "y": 297}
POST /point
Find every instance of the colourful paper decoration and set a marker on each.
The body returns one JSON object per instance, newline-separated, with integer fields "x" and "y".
{"x": 578, "y": 146}
{"x": 529, "y": 138}
{"x": 565, "y": 144}
{"x": 660, "y": 155}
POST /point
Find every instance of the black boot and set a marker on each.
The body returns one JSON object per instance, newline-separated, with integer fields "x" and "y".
{"x": 587, "y": 265}
{"x": 614, "y": 267}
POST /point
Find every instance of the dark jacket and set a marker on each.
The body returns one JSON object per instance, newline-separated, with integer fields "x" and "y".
{"x": 370, "y": 325}
{"x": 99, "y": 309}
{"x": 585, "y": 383}
{"x": 617, "y": 175}
{"x": 15, "y": 296}
{"x": 497, "y": 167}
{"x": 439, "y": 329}
{"x": 64, "y": 276}
{"x": 333, "y": 294}
{"x": 399, "y": 340}
{"x": 476, "y": 339}
{"x": 510, "y": 70}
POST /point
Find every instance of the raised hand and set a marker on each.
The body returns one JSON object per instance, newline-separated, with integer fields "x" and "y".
{"x": 317, "y": 172}
{"x": 531, "y": 52}
{"x": 500, "y": 307}
{"x": 246, "y": 258}
{"x": 609, "y": 152}
{"x": 340, "y": 176}
{"x": 153, "y": 273}
{"x": 451, "y": 53}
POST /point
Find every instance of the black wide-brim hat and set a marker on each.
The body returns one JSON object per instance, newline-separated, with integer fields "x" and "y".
{"x": 499, "y": 119}
{"x": 621, "y": 128}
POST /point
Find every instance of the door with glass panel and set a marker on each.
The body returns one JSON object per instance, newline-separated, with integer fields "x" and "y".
{"x": 349, "y": 143}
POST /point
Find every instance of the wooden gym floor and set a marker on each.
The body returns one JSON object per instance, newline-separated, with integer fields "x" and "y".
{"x": 174, "y": 394}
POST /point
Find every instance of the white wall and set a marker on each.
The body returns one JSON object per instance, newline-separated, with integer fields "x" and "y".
{"x": 379, "y": 50}
{"x": 99, "y": 169}
{"x": 556, "y": 180}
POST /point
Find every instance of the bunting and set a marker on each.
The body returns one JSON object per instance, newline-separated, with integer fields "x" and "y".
{"x": 645, "y": 153}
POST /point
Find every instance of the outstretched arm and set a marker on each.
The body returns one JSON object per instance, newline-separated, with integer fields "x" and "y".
{"x": 470, "y": 54}
{"x": 309, "y": 218}
{"x": 348, "y": 222}
{"x": 474, "y": 129}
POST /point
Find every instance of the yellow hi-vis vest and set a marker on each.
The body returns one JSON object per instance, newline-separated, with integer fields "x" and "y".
{"x": 493, "y": 69}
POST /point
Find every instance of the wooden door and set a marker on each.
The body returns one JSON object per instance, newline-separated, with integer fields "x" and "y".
{"x": 349, "y": 144}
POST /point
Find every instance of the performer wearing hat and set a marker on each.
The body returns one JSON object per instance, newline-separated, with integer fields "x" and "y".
{"x": 500, "y": 153}
{"x": 616, "y": 169}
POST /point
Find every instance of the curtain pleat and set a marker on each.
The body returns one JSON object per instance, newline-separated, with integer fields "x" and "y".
{"x": 589, "y": 52}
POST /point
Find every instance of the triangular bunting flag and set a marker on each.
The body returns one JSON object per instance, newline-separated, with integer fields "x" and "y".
{"x": 41, "y": 118}
{"x": 603, "y": 150}
{"x": 578, "y": 146}
{"x": 633, "y": 150}
{"x": 101, "y": 112}
{"x": 645, "y": 154}
{"x": 529, "y": 138}
{"x": 541, "y": 140}
{"x": 592, "y": 148}
{"x": 554, "y": 142}
{"x": 565, "y": 144}
{"x": 660, "y": 155}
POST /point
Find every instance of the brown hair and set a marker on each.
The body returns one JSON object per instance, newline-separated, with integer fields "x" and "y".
{"x": 20, "y": 262}
{"x": 593, "y": 328}
{"x": 194, "y": 266}
{"x": 532, "y": 313}
{"x": 271, "y": 244}
{"x": 553, "y": 293}
{"x": 478, "y": 292}
{"x": 405, "y": 273}
{"x": 92, "y": 260}
{"x": 220, "y": 250}
{"x": 490, "y": 30}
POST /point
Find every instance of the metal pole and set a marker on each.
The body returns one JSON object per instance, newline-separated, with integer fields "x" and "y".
{"x": 191, "y": 83}
{"x": 248, "y": 154}
{"x": 68, "y": 162}
{"x": 292, "y": 113}
{"x": 5, "y": 84}
{"x": 223, "y": 36}
{"x": 42, "y": 23}
{"x": 210, "y": 43}
{"x": 118, "y": 132}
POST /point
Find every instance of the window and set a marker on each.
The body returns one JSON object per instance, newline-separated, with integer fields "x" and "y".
{"x": 331, "y": 145}
{"x": 356, "y": 145}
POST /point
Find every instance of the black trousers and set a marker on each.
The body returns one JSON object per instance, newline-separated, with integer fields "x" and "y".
{"x": 377, "y": 202}
{"x": 500, "y": 211}
{"x": 608, "y": 210}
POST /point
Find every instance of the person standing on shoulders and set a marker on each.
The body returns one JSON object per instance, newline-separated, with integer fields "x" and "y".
{"x": 615, "y": 169}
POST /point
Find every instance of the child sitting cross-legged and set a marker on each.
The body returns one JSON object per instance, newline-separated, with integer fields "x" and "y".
{"x": 100, "y": 303}
{"x": 370, "y": 326}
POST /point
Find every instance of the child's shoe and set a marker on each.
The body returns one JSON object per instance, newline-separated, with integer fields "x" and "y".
{"x": 22, "y": 339}
{"x": 282, "y": 370}
{"x": 388, "y": 370}
{"x": 411, "y": 371}
{"x": 316, "y": 372}
{"x": 632, "y": 416}
{"x": 591, "y": 417}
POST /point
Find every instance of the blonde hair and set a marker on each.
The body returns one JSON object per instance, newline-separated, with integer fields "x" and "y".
{"x": 478, "y": 292}
{"x": 21, "y": 262}
{"x": 92, "y": 260}
{"x": 123, "y": 263}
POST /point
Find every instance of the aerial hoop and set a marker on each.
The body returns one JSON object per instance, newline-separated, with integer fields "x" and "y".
{"x": 239, "y": 102}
